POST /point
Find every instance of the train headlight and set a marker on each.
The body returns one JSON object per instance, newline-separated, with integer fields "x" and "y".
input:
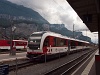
{"x": 38, "y": 48}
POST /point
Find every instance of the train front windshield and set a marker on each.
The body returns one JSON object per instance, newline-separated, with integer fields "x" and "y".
{"x": 34, "y": 41}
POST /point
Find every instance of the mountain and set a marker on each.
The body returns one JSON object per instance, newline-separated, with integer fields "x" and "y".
{"x": 27, "y": 21}
{"x": 15, "y": 12}
{"x": 60, "y": 28}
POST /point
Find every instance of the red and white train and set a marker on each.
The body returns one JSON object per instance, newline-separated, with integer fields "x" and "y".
{"x": 19, "y": 44}
{"x": 51, "y": 44}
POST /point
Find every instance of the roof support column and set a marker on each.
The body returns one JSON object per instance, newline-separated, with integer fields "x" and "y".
{"x": 97, "y": 56}
{"x": 99, "y": 32}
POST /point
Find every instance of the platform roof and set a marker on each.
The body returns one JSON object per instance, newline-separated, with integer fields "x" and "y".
{"x": 88, "y": 11}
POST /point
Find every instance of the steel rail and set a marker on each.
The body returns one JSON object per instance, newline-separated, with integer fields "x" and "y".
{"x": 61, "y": 69}
{"x": 29, "y": 63}
{"x": 20, "y": 65}
{"x": 75, "y": 65}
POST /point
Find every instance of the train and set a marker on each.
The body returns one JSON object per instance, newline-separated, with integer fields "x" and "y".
{"x": 19, "y": 44}
{"x": 52, "y": 44}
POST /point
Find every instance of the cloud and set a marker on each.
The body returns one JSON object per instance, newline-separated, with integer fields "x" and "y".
{"x": 56, "y": 12}
{"x": 93, "y": 36}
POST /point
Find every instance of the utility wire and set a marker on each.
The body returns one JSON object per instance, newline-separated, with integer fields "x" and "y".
{"x": 59, "y": 5}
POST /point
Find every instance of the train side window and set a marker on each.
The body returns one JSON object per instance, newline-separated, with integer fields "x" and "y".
{"x": 54, "y": 41}
{"x": 62, "y": 42}
{"x": 46, "y": 42}
{"x": 80, "y": 43}
{"x": 73, "y": 45}
{"x": 59, "y": 42}
{"x": 65, "y": 41}
{"x": 8, "y": 42}
{"x": 68, "y": 43}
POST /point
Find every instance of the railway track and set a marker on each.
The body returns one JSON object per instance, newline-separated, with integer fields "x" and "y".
{"x": 7, "y": 52}
{"x": 25, "y": 63}
{"x": 21, "y": 65}
{"x": 67, "y": 68}
{"x": 56, "y": 71}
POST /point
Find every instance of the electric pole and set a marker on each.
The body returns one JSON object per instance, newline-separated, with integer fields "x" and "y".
{"x": 73, "y": 30}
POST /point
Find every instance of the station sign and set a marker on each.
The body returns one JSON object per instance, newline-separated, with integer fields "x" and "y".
{"x": 4, "y": 69}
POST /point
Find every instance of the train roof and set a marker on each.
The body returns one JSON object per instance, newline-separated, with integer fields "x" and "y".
{"x": 14, "y": 40}
{"x": 40, "y": 32}
{"x": 49, "y": 33}
{"x": 21, "y": 40}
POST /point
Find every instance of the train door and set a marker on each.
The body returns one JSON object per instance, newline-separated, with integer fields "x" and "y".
{"x": 69, "y": 46}
{"x": 46, "y": 44}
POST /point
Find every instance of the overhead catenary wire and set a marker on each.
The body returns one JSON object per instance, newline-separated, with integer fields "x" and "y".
{"x": 59, "y": 5}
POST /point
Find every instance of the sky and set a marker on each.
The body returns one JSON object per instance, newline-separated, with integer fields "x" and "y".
{"x": 58, "y": 12}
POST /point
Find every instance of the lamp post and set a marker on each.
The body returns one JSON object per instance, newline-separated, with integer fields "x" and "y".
{"x": 11, "y": 39}
{"x": 12, "y": 51}
{"x": 73, "y": 30}
{"x": 13, "y": 31}
{"x": 4, "y": 32}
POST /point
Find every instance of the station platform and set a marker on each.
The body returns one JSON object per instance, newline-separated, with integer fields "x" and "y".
{"x": 93, "y": 63}
{"x": 91, "y": 68}
{"x": 88, "y": 67}
{"x": 8, "y": 57}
